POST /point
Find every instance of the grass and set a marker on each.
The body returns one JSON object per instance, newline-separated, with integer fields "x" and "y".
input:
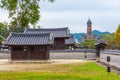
{"x": 76, "y": 71}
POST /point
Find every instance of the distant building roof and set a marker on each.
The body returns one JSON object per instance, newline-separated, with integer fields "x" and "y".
{"x": 71, "y": 40}
{"x": 100, "y": 41}
{"x": 57, "y": 32}
{"x": 29, "y": 39}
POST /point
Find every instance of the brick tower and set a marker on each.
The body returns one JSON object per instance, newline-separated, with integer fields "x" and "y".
{"x": 89, "y": 30}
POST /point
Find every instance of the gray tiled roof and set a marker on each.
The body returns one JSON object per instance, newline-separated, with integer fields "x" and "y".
{"x": 29, "y": 39}
{"x": 100, "y": 41}
{"x": 57, "y": 32}
{"x": 71, "y": 40}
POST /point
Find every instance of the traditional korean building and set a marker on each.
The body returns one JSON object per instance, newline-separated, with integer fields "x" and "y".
{"x": 59, "y": 34}
{"x": 29, "y": 46}
{"x": 70, "y": 43}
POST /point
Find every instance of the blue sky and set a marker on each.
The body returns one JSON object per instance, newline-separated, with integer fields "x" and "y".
{"x": 104, "y": 14}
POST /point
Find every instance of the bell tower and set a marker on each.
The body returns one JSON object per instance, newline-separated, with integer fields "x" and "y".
{"x": 89, "y": 29}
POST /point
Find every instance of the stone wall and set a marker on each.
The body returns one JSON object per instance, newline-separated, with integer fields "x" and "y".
{"x": 71, "y": 55}
{"x": 60, "y": 55}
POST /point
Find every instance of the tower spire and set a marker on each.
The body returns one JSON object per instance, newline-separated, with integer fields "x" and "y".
{"x": 89, "y": 29}
{"x": 89, "y": 21}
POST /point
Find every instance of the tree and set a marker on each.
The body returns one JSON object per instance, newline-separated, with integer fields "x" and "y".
{"x": 117, "y": 36}
{"x": 22, "y": 12}
{"x": 1, "y": 39}
{"x": 109, "y": 38}
{"x": 88, "y": 43}
{"x": 3, "y": 30}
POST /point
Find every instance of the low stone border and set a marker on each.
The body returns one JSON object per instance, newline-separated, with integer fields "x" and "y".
{"x": 113, "y": 67}
{"x": 31, "y": 61}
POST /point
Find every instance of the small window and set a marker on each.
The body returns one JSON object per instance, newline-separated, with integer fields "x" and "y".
{"x": 18, "y": 48}
{"x": 24, "y": 48}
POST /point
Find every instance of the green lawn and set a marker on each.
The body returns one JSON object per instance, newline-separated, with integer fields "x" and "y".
{"x": 76, "y": 71}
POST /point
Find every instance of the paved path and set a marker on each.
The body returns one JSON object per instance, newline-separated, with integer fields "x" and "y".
{"x": 115, "y": 59}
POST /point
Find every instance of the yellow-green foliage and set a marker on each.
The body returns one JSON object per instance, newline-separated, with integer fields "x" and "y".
{"x": 77, "y": 71}
{"x": 88, "y": 43}
{"x": 117, "y": 35}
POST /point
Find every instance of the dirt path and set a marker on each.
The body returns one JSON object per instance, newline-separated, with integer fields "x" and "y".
{"x": 6, "y": 66}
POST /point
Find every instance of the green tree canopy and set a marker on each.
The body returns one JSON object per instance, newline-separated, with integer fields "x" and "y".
{"x": 1, "y": 39}
{"x": 109, "y": 38}
{"x": 3, "y": 30}
{"x": 88, "y": 43}
{"x": 22, "y": 12}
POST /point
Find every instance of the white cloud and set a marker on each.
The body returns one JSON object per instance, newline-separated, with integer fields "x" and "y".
{"x": 4, "y": 16}
{"x": 63, "y": 5}
{"x": 105, "y": 14}
{"x": 76, "y": 20}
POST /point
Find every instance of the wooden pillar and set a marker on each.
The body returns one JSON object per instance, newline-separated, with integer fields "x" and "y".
{"x": 98, "y": 52}
{"x": 28, "y": 52}
{"x": 47, "y": 52}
